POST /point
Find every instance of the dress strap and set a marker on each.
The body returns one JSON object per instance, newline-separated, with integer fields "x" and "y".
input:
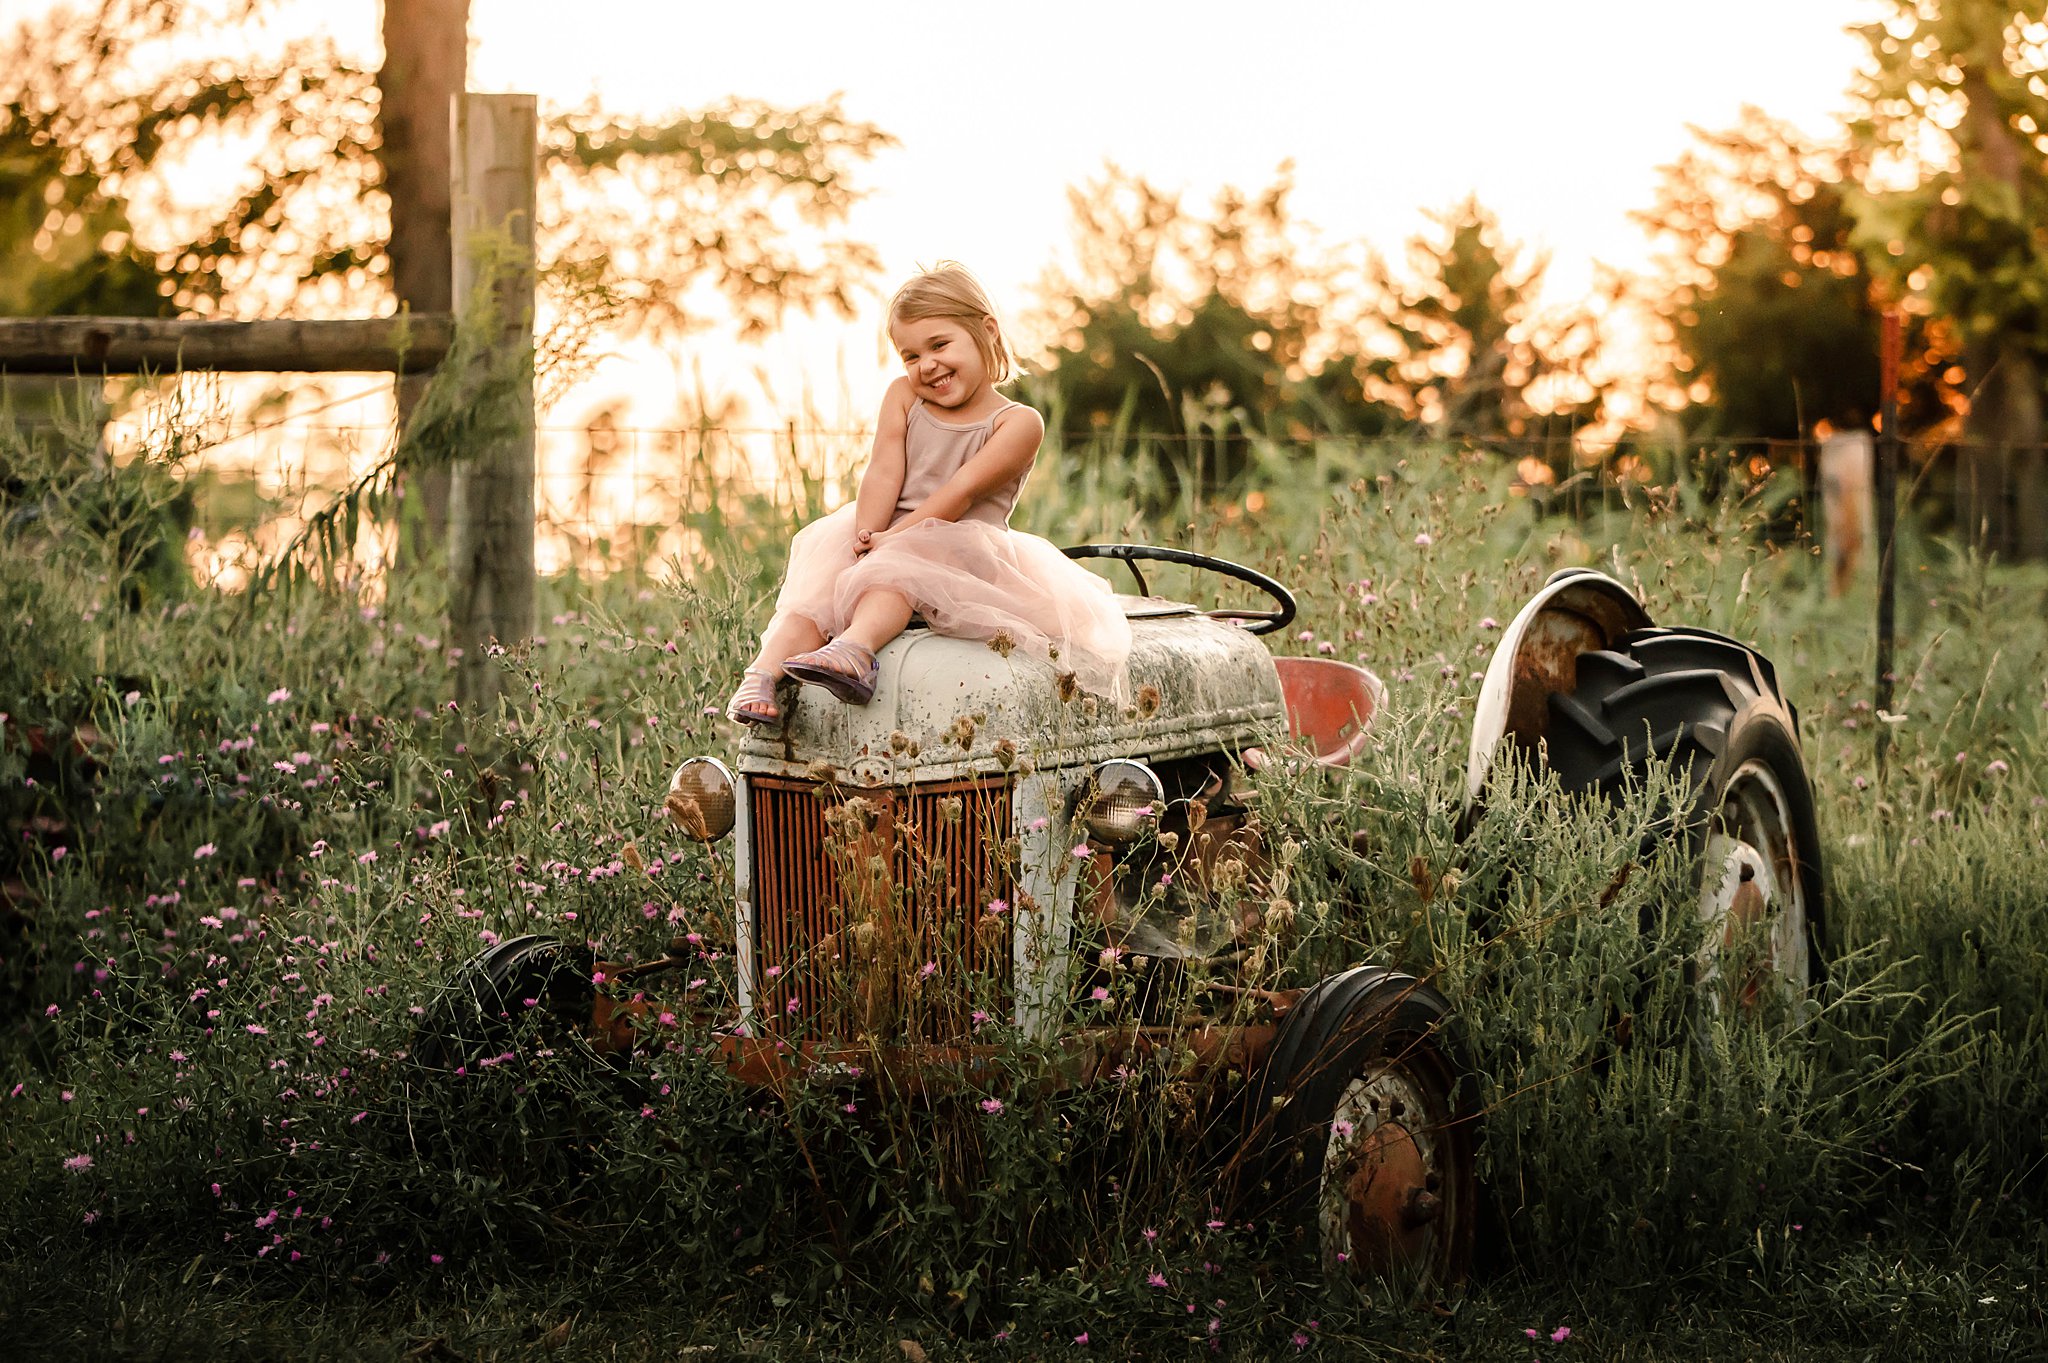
{"x": 920, "y": 405}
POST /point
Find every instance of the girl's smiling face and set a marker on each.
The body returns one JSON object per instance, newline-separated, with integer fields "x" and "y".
{"x": 944, "y": 364}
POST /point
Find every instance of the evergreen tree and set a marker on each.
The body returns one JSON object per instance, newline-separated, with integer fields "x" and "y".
{"x": 1198, "y": 331}
{"x": 1473, "y": 358}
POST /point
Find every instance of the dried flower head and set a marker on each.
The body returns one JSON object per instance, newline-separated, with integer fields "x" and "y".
{"x": 1069, "y": 686}
{"x": 1148, "y": 701}
{"x": 1003, "y": 643}
{"x": 685, "y": 812}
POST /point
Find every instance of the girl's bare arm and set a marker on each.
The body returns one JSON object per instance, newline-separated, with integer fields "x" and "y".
{"x": 1005, "y": 458}
{"x": 882, "y": 483}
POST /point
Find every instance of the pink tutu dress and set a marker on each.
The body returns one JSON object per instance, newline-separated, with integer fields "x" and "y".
{"x": 974, "y": 578}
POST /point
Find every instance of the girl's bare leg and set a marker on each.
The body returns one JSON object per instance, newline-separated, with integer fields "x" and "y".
{"x": 880, "y": 616}
{"x": 785, "y": 636}
{"x": 846, "y": 667}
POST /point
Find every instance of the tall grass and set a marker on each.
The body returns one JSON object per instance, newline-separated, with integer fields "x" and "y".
{"x": 248, "y": 846}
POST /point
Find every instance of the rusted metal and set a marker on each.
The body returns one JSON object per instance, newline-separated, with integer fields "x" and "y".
{"x": 1383, "y": 1181}
{"x": 769, "y": 1062}
{"x": 870, "y": 906}
{"x": 1280, "y": 1001}
{"x": 1576, "y": 612}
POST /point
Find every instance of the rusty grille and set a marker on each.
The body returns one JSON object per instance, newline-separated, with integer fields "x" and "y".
{"x": 871, "y": 907}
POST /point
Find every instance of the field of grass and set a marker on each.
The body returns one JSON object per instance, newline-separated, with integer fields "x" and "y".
{"x": 250, "y": 839}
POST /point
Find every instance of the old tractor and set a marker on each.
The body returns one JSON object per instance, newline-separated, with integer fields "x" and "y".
{"x": 981, "y": 842}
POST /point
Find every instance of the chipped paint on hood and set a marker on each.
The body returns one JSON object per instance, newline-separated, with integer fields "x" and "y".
{"x": 946, "y": 708}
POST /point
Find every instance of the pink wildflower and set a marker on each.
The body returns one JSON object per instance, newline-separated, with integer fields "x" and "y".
{"x": 78, "y": 1164}
{"x": 202, "y": 851}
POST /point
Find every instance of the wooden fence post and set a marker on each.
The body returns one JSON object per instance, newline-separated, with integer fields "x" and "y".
{"x": 496, "y": 173}
{"x": 1847, "y": 526}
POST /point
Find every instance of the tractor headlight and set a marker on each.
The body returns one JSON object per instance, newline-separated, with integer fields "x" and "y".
{"x": 700, "y": 799}
{"x": 1125, "y": 801}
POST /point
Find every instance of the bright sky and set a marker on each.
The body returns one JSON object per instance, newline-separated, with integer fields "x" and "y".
{"x": 1556, "y": 114}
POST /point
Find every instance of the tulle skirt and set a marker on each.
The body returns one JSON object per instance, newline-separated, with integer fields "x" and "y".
{"x": 969, "y": 580}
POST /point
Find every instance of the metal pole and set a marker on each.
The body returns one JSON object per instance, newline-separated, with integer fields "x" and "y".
{"x": 1890, "y": 352}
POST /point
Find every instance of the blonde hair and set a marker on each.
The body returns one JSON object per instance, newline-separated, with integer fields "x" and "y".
{"x": 947, "y": 290}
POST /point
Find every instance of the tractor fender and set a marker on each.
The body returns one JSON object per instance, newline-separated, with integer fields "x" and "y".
{"x": 1578, "y": 610}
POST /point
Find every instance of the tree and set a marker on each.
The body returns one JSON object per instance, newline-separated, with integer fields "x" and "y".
{"x": 1197, "y": 330}
{"x": 97, "y": 104}
{"x": 1472, "y": 357}
{"x": 1765, "y": 292}
{"x": 666, "y": 219}
{"x": 1954, "y": 103}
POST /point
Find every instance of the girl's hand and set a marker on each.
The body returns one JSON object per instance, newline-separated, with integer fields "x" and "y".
{"x": 864, "y": 541}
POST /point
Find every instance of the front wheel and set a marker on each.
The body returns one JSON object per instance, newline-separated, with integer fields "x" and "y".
{"x": 1364, "y": 1124}
{"x": 490, "y": 998}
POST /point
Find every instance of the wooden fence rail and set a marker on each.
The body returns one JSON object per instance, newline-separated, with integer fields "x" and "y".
{"x": 126, "y": 345}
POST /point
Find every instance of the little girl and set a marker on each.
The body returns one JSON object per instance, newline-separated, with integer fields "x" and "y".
{"x": 930, "y": 532}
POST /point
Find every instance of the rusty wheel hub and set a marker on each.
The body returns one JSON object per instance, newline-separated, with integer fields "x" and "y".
{"x": 1751, "y": 894}
{"x": 1382, "y": 1200}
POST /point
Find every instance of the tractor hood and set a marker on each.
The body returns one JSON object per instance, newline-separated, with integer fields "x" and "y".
{"x": 950, "y": 708}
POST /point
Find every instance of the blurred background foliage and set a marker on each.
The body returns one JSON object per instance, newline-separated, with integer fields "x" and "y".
{"x": 1204, "y": 326}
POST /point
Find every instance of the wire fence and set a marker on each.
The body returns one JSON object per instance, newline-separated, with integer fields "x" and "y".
{"x": 614, "y": 499}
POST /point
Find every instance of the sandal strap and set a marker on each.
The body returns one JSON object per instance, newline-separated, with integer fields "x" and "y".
{"x": 843, "y": 655}
{"x": 753, "y": 700}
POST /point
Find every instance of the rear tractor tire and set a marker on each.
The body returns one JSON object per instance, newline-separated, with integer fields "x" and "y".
{"x": 1364, "y": 1125}
{"x": 1711, "y": 707}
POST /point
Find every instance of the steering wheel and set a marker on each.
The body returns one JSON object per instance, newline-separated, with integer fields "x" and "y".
{"x": 1264, "y": 622}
